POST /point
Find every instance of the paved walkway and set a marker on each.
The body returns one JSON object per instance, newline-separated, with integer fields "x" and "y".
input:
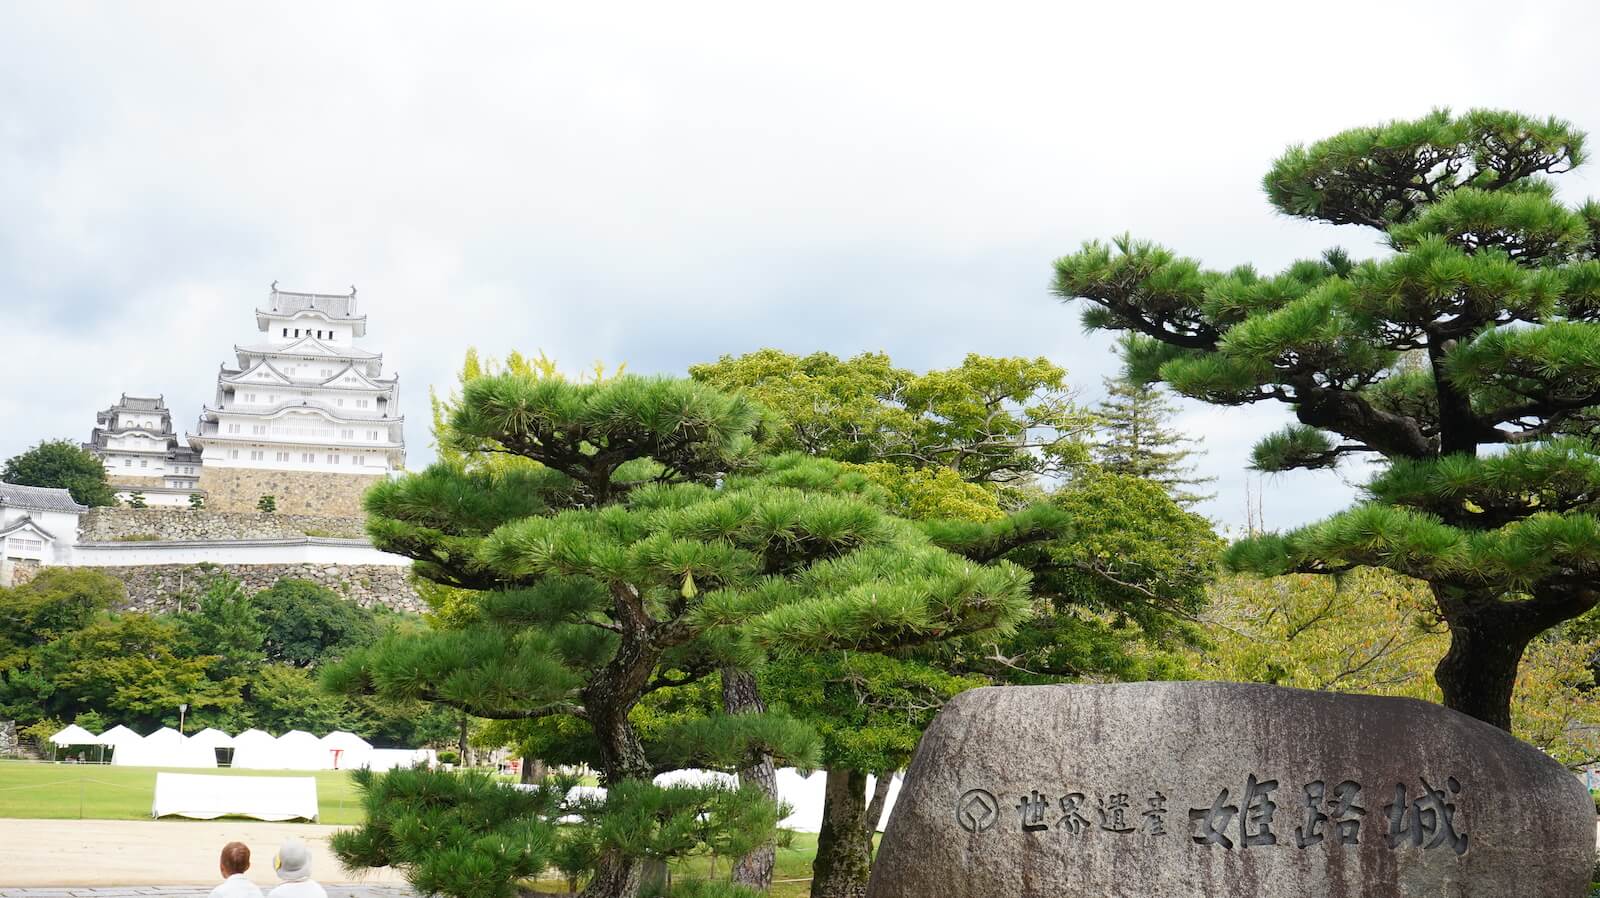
{"x": 192, "y": 892}
{"x": 120, "y": 858}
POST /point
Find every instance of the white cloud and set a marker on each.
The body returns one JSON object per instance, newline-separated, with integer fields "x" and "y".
{"x": 662, "y": 184}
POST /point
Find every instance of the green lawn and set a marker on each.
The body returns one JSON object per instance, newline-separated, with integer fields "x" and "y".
{"x": 95, "y": 791}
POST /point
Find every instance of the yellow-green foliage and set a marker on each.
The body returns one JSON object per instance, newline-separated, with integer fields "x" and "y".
{"x": 1375, "y": 632}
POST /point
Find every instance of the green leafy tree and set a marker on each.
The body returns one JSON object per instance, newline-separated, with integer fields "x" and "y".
{"x": 636, "y": 557}
{"x": 307, "y": 623}
{"x": 197, "y": 502}
{"x": 990, "y": 420}
{"x": 136, "y": 500}
{"x": 1373, "y": 631}
{"x": 129, "y": 668}
{"x": 225, "y": 626}
{"x": 284, "y": 698}
{"x": 56, "y": 603}
{"x": 62, "y": 464}
{"x": 267, "y": 504}
{"x": 1134, "y": 437}
{"x": 1460, "y": 363}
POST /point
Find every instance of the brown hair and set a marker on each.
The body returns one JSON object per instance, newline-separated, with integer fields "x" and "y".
{"x": 235, "y": 858}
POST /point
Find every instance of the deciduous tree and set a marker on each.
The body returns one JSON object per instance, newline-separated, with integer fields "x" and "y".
{"x": 62, "y": 464}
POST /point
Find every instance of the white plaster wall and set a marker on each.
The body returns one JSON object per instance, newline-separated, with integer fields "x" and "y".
{"x": 305, "y": 550}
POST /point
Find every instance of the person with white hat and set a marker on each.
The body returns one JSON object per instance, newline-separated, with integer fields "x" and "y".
{"x": 293, "y": 864}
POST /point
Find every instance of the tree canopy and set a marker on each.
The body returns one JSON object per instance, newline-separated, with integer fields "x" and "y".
{"x": 1460, "y": 361}
{"x": 62, "y": 464}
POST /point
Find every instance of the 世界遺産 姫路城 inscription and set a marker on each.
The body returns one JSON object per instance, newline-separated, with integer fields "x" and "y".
{"x": 1425, "y": 818}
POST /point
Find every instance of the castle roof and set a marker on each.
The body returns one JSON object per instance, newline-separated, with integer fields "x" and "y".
{"x": 307, "y": 346}
{"x": 38, "y": 498}
{"x": 331, "y": 306}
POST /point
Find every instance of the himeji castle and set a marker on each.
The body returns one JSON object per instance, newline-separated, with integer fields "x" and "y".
{"x": 305, "y": 415}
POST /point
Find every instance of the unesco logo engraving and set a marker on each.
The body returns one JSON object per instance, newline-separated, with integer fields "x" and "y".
{"x": 977, "y": 810}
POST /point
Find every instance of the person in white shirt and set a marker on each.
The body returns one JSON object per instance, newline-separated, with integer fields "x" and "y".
{"x": 293, "y": 864}
{"x": 235, "y": 860}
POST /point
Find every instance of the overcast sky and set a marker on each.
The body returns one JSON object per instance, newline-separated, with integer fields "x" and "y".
{"x": 661, "y": 184}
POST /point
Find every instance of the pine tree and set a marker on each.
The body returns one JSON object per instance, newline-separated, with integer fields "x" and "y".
{"x": 649, "y": 547}
{"x": 1488, "y": 467}
{"x": 1133, "y": 439}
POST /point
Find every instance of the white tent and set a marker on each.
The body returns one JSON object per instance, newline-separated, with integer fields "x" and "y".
{"x": 299, "y": 750}
{"x": 119, "y": 735}
{"x": 255, "y": 750}
{"x": 75, "y": 735}
{"x": 165, "y": 747}
{"x": 211, "y": 738}
{"x": 345, "y": 751}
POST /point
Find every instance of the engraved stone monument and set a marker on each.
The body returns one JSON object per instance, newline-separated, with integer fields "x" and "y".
{"x": 1159, "y": 790}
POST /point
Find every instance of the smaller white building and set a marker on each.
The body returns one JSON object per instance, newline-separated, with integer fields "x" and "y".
{"x": 38, "y": 526}
{"x": 135, "y": 439}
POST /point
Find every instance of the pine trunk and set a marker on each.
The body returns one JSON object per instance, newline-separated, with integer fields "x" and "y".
{"x": 1479, "y": 672}
{"x": 740, "y": 695}
{"x": 880, "y": 797}
{"x": 615, "y": 876}
{"x": 607, "y": 700}
{"x": 843, "y": 861}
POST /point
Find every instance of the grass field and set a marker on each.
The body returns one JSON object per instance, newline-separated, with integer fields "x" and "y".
{"x": 30, "y": 789}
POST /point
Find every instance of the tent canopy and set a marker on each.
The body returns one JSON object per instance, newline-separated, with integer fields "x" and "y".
{"x": 211, "y": 738}
{"x": 75, "y": 735}
{"x": 345, "y": 741}
{"x": 119, "y": 735}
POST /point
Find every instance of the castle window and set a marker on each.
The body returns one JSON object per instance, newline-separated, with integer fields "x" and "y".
{"x": 144, "y": 462}
{"x": 257, "y": 455}
{"x": 283, "y": 456}
{"x": 233, "y": 453}
{"x": 297, "y": 332}
{"x": 333, "y": 459}
{"x": 372, "y": 434}
{"x": 362, "y": 403}
{"x": 308, "y": 457}
{"x": 347, "y": 434}
{"x": 258, "y": 429}
{"x": 127, "y": 463}
{"x": 355, "y": 459}
{"x": 233, "y": 428}
{"x": 286, "y": 332}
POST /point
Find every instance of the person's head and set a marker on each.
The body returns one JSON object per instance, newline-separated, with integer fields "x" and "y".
{"x": 235, "y": 858}
{"x": 293, "y": 862}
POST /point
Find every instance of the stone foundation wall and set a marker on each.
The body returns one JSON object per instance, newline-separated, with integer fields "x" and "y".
{"x": 18, "y": 571}
{"x": 156, "y": 588}
{"x": 184, "y": 524}
{"x": 296, "y": 492}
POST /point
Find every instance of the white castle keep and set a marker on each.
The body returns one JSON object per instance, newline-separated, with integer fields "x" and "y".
{"x": 304, "y": 416}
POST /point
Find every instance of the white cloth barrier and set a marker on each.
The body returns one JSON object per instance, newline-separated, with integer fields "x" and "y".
{"x": 379, "y": 760}
{"x": 261, "y": 797}
{"x": 803, "y": 794}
